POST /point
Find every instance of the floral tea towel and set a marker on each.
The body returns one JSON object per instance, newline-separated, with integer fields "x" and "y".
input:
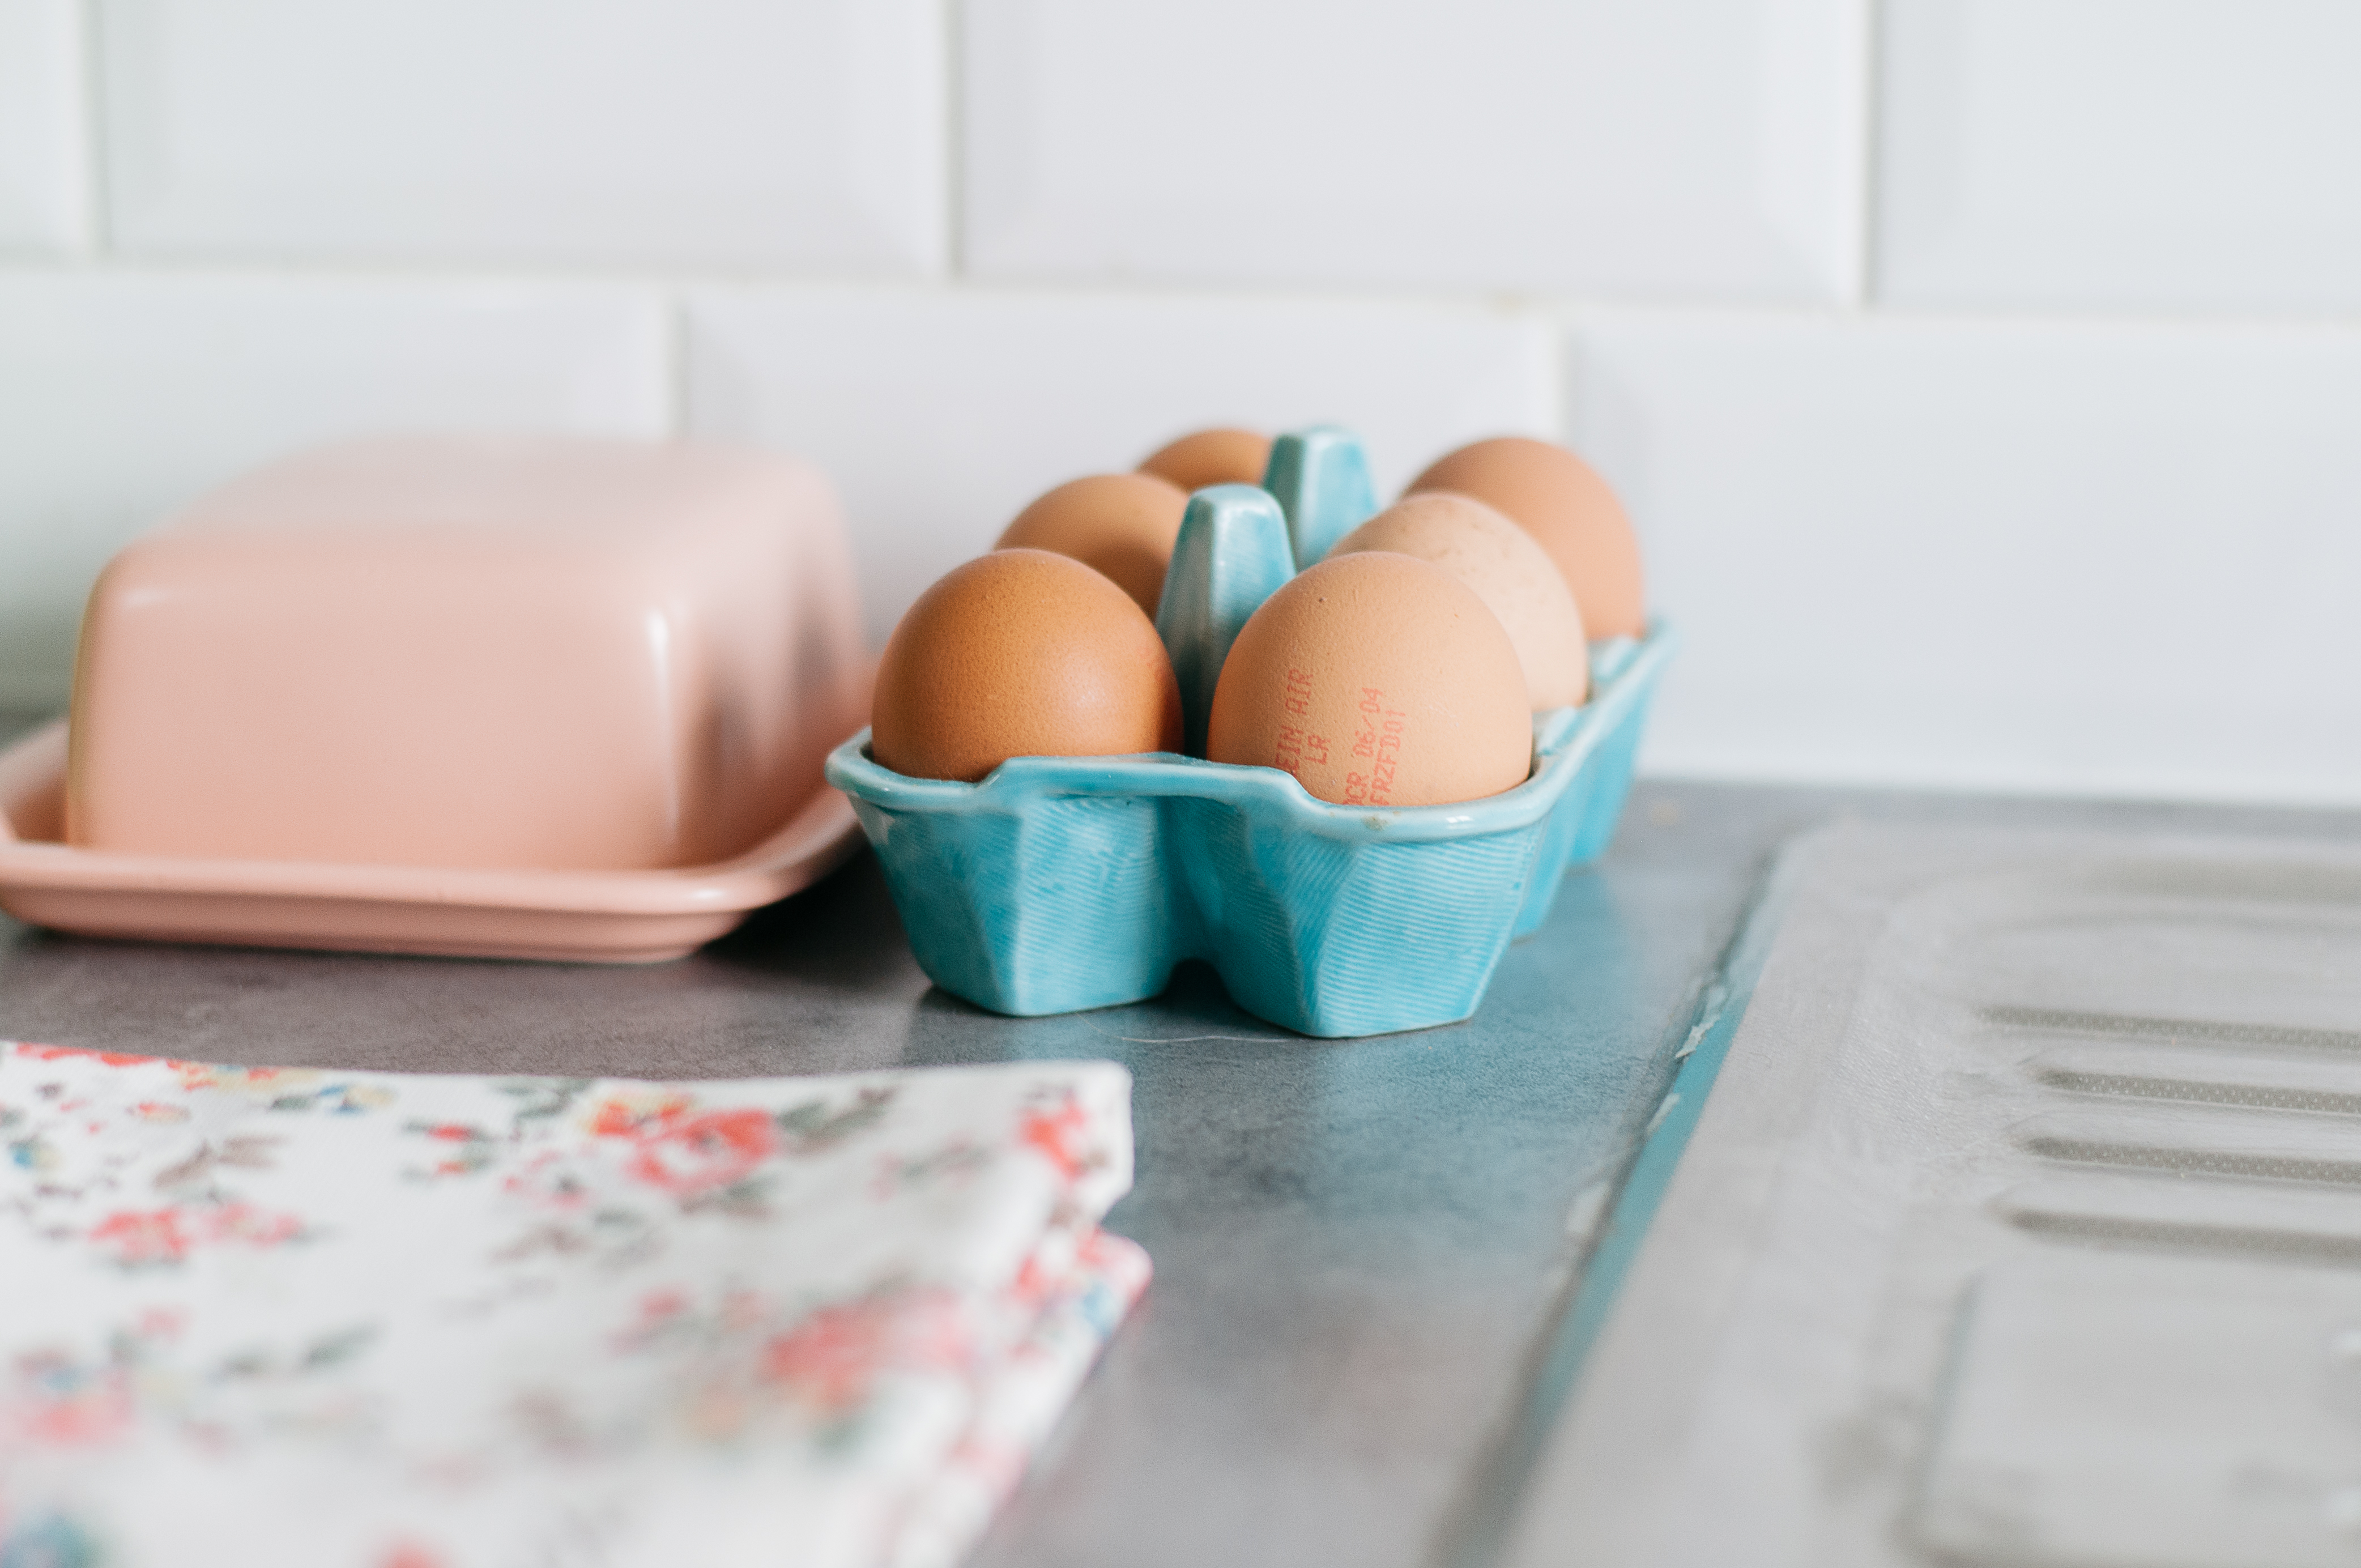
{"x": 279, "y": 1316}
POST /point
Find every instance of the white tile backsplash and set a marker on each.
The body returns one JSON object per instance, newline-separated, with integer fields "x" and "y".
{"x": 942, "y": 417}
{"x": 121, "y": 397}
{"x": 1690, "y": 148}
{"x": 42, "y": 201}
{"x": 2034, "y": 555}
{"x": 2122, "y": 154}
{"x": 737, "y": 133}
{"x": 1932, "y": 338}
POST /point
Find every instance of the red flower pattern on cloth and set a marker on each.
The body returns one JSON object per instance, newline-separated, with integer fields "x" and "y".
{"x": 165, "y": 1236}
{"x": 835, "y": 1356}
{"x": 1062, "y": 1135}
{"x": 463, "y": 1320}
{"x": 157, "y": 1236}
{"x": 61, "y": 1402}
{"x": 633, "y": 1115}
{"x": 699, "y": 1153}
{"x": 62, "y": 1053}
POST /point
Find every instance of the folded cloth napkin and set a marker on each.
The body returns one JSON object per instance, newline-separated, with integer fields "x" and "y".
{"x": 272, "y": 1315}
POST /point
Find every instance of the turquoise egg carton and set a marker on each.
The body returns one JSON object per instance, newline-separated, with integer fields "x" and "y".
{"x": 1060, "y": 884}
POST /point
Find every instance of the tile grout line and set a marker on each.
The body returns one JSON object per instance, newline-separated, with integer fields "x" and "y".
{"x": 675, "y": 391}
{"x": 1567, "y": 310}
{"x": 954, "y": 55}
{"x": 1557, "y": 372}
{"x": 96, "y": 237}
{"x": 1867, "y": 290}
{"x": 1570, "y": 312}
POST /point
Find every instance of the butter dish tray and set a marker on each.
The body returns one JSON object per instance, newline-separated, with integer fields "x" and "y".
{"x": 595, "y": 917}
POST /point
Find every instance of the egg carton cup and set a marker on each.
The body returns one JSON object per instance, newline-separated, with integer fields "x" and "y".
{"x": 1060, "y": 884}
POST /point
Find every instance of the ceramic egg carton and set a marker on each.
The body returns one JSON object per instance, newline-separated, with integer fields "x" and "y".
{"x": 1060, "y": 883}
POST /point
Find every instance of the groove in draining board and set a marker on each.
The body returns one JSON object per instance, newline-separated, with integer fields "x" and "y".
{"x": 2227, "y": 1217}
{"x": 2194, "y": 1075}
{"x": 2271, "y": 1145}
{"x": 2168, "y": 1031}
{"x": 2291, "y": 1247}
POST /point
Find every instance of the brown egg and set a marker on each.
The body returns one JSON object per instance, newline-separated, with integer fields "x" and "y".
{"x": 1376, "y": 679}
{"x": 1210, "y": 458}
{"x": 1562, "y": 502}
{"x": 1509, "y": 571}
{"x": 1021, "y": 654}
{"x": 1120, "y": 524}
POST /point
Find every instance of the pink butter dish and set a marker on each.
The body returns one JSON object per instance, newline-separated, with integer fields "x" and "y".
{"x": 530, "y": 699}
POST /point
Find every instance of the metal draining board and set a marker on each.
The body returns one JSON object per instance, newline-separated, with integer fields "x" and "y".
{"x": 2022, "y": 1225}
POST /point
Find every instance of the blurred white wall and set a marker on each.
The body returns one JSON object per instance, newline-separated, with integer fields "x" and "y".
{"x": 1984, "y": 376}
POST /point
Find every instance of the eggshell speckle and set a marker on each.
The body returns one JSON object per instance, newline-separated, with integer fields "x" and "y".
{"x": 1561, "y": 502}
{"x": 1377, "y": 680}
{"x": 1210, "y": 458}
{"x": 1509, "y": 571}
{"x": 1119, "y": 524}
{"x": 1021, "y": 654}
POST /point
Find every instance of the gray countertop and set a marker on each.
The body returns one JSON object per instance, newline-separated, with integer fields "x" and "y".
{"x": 1361, "y": 1246}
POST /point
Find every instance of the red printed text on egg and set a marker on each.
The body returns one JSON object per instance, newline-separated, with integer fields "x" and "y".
{"x": 1297, "y": 746}
{"x": 1377, "y": 745}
